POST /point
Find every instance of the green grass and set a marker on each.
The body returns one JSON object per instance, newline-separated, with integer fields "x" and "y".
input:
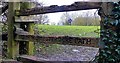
{"x": 79, "y": 31}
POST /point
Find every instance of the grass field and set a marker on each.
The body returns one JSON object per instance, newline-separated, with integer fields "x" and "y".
{"x": 79, "y": 31}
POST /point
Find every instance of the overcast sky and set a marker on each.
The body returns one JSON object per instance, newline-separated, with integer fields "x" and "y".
{"x": 59, "y": 2}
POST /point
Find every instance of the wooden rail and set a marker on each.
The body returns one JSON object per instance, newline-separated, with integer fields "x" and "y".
{"x": 64, "y": 40}
{"x": 54, "y": 8}
{"x": 30, "y": 59}
{"x": 10, "y": 61}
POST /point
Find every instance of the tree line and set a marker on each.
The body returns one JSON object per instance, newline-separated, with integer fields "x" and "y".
{"x": 80, "y": 20}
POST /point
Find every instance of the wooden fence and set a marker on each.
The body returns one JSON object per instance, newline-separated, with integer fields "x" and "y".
{"x": 16, "y": 10}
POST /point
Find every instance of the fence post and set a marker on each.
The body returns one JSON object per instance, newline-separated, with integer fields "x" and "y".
{"x": 13, "y": 47}
{"x": 29, "y": 27}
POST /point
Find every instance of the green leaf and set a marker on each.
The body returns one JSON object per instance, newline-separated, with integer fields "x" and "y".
{"x": 117, "y": 50}
{"x": 102, "y": 51}
{"x": 110, "y": 41}
{"x": 104, "y": 39}
{"x": 118, "y": 47}
{"x": 116, "y": 22}
{"x": 109, "y": 52}
{"x": 114, "y": 45}
{"x": 106, "y": 47}
{"x": 104, "y": 54}
{"x": 107, "y": 35}
{"x": 112, "y": 23}
{"x": 111, "y": 60}
{"x": 102, "y": 34}
{"x": 116, "y": 15}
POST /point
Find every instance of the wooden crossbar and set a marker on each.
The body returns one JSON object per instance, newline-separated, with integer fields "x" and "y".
{"x": 54, "y": 8}
{"x": 64, "y": 40}
{"x": 10, "y": 61}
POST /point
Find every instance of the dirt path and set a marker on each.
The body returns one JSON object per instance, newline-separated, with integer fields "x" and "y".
{"x": 69, "y": 53}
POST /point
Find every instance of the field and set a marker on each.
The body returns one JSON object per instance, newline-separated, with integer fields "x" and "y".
{"x": 78, "y": 31}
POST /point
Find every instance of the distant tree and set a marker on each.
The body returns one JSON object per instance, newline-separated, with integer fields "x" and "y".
{"x": 53, "y": 23}
{"x": 66, "y": 19}
{"x": 86, "y": 20}
{"x": 79, "y": 21}
{"x": 42, "y": 18}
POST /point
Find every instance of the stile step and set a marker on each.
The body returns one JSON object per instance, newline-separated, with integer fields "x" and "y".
{"x": 10, "y": 61}
{"x": 25, "y": 21}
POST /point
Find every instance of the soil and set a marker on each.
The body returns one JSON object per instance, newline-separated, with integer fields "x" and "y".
{"x": 68, "y": 53}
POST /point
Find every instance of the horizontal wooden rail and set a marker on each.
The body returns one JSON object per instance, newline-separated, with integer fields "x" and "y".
{"x": 54, "y": 8}
{"x": 64, "y": 40}
{"x": 30, "y": 59}
{"x": 22, "y": 35}
{"x": 10, "y": 61}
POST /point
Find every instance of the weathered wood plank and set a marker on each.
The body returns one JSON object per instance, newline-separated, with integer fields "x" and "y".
{"x": 10, "y": 61}
{"x": 25, "y": 21}
{"x": 29, "y": 28}
{"x": 65, "y": 40}
{"x": 54, "y": 8}
{"x": 30, "y": 59}
{"x": 12, "y": 45}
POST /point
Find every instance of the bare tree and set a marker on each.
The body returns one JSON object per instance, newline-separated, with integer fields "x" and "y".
{"x": 66, "y": 19}
{"x": 42, "y": 18}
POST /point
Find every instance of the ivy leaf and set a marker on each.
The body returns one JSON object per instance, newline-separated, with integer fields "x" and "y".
{"x": 116, "y": 22}
{"x": 106, "y": 47}
{"x": 104, "y": 54}
{"x": 107, "y": 35}
{"x": 108, "y": 52}
{"x": 104, "y": 39}
{"x": 114, "y": 45}
{"x": 110, "y": 41}
{"x": 115, "y": 39}
{"x": 102, "y": 51}
{"x": 102, "y": 31}
{"x": 112, "y": 23}
{"x": 116, "y": 15}
{"x": 101, "y": 34}
{"x": 111, "y": 60}
{"x": 118, "y": 47}
{"x": 118, "y": 40}
{"x": 115, "y": 35}
{"x": 117, "y": 50}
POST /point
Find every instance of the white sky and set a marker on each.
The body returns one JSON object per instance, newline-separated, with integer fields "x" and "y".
{"x": 55, "y": 17}
{"x": 59, "y": 2}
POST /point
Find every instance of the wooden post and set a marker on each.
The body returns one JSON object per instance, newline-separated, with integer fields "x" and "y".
{"x": 13, "y": 46}
{"x": 30, "y": 45}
